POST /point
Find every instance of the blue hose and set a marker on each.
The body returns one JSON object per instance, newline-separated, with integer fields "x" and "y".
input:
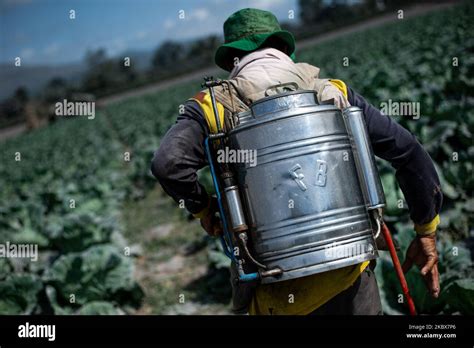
{"x": 225, "y": 244}
{"x": 243, "y": 277}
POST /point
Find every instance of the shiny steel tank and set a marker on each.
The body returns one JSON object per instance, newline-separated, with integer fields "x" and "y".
{"x": 305, "y": 204}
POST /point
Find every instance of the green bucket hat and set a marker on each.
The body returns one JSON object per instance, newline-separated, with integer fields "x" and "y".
{"x": 247, "y": 30}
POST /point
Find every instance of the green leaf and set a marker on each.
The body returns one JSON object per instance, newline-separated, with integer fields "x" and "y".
{"x": 447, "y": 189}
{"x": 96, "y": 274}
{"x": 5, "y": 268}
{"x": 51, "y": 295}
{"x": 76, "y": 232}
{"x": 18, "y": 294}
{"x": 99, "y": 308}
{"x": 461, "y": 296}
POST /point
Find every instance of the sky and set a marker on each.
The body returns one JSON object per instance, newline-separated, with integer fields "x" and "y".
{"x": 43, "y": 32}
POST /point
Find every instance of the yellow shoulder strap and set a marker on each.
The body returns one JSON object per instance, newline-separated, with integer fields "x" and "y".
{"x": 341, "y": 86}
{"x": 204, "y": 101}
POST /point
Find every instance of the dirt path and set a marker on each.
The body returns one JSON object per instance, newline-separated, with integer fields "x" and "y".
{"x": 12, "y": 131}
{"x": 173, "y": 266}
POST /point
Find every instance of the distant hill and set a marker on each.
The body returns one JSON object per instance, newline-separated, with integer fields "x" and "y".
{"x": 36, "y": 76}
{"x": 141, "y": 60}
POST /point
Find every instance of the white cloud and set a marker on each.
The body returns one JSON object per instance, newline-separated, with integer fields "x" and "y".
{"x": 200, "y": 14}
{"x": 27, "y": 53}
{"x": 269, "y": 4}
{"x": 195, "y": 15}
{"x": 116, "y": 47}
{"x": 169, "y": 24}
{"x": 140, "y": 35}
{"x": 51, "y": 49}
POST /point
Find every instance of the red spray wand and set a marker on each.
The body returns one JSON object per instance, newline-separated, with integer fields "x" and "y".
{"x": 398, "y": 268}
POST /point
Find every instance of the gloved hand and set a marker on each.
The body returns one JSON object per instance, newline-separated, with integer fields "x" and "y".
{"x": 210, "y": 222}
{"x": 422, "y": 251}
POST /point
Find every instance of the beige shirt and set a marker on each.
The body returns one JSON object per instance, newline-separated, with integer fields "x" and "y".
{"x": 269, "y": 71}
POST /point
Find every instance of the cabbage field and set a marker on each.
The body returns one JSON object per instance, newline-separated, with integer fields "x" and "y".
{"x": 76, "y": 188}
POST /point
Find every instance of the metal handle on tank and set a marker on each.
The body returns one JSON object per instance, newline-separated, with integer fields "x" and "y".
{"x": 364, "y": 157}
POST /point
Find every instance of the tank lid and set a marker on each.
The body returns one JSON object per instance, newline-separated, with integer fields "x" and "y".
{"x": 278, "y": 102}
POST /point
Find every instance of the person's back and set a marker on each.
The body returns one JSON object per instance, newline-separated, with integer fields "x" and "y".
{"x": 260, "y": 59}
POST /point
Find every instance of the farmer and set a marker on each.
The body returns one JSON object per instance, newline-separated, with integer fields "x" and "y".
{"x": 259, "y": 55}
